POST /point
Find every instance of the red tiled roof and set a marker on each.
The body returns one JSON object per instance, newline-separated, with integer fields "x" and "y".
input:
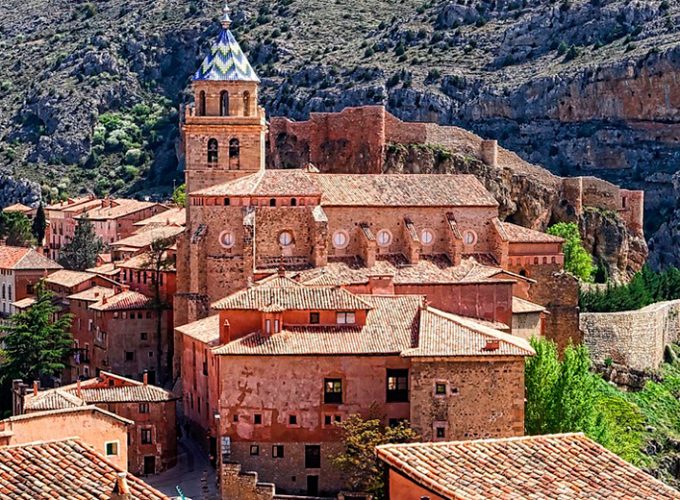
{"x": 283, "y": 294}
{"x": 560, "y": 466}
{"x": 52, "y": 399}
{"x": 120, "y": 208}
{"x": 145, "y": 238}
{"x": 24, "y": 258}
{"x": 67, "y": 278}
{"x": 18, "y": 207}
{"x": 63, "y": 469}
{"x": 33, "y": 415}
{"x": 93, "y": 294}
{"x": 143, "y": 261}
{"x": 521, "y": 234}
{"x": 206, "y": 330}
{"x": 290, "y": 182}
{"x": 173, "y": 216}
{"x": 445, "y": 334}
{"x": 108, "y": 269}
{"x": 124, "y": 300}
{"x": 521, "y": 306}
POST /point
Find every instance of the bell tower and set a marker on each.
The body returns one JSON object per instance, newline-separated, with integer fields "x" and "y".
{"x": 224, "y": 129}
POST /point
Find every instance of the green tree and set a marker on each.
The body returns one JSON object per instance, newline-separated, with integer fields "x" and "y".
{"x": 81, "y": 252}
{"x": 159, "y": 261}
{"x": 16, "y": 229}
{"x": 36, "y": 344}
{"x": 360, "y": 436}
{"x": 576, "y": 259}
{"x": 39, "y": 224}
{"x": 179, "y": 197}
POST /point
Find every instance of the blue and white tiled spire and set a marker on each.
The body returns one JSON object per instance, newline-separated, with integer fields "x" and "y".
{"x": 226, "y": 61}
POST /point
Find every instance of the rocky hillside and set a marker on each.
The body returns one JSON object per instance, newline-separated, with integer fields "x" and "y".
{"x": 89, "y": 91}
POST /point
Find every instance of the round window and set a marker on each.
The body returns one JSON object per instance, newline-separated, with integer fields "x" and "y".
{"x": 427, "y": 237}
{"x": 469, "y": 237}
{"x": 285, "y": 238}
{"x": 384, "y": 237}
{"x": 340, "y": 239}
{"x": 227, "y": 239}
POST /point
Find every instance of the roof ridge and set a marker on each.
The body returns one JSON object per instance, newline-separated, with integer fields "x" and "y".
{"x": 526, "y": 437}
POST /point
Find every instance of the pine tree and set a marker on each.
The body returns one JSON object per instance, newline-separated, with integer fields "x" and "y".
{"x": 81, "y": 252}
{"x": 39, "y": 224}
{"x": 36, "y": 344}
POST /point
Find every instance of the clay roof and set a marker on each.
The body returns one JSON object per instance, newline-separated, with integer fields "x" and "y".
{"x": 52, "y": 399}
{"x": 361, "y": 190}
{"x": 24, "y": 303}
{"x": 521, "y": 306}
{"x": 18, "y": 207}
{"x": 390, "y": 328}
{"x": 173, "y": 216}
{"x": 226, "y": 62}
{"x": 71, "y": 202}
{"x": 121, "y": 208}
{"x": 282, "y": 294}
{"x": 93, "y": 294}
{"x": 67, "y": 411}
{"x": 564, "y": 466}
{"x": 108, "y": 269}
{"x": 63, "y": 469}
{"x": 142, "y": 261}
{"x": 67, "y": 278}
{"x": 521, "y": 234}
{"x": 445, "y": 334}
{"x": 290, "y": 182}
{"x": 145, "y": 238}
{"x": 206, "y": 330}
{"x": 84, "y": 206}
{"x": 429, "y": 269}
{"x": 124, "y": 300}
{"x": 24, "y": 258}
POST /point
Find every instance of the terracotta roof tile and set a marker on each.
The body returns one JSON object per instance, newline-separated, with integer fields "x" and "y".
{"x": 118, "y": 208}
{"x": 173, "y": 216}
{"x": 67, "y": 278}
{"x": 290, "y": 182}
{"x": 520, "y": 306}
{"x": 93, "y": 294}
{"x": 206, "y": 330}
{"x": 53, "y": 399}
{"x": 24, "y": 258}
{"x": 68, "y": 410}
{"x": 145, "y": 238}
{"x": 143, "y": 261}
{"x": 124, "y": 300}
{"x": 63, "y": 469}
{"x": 24, "y": 303}
{"x": 564, "y": 466}
{"x": 108, "y": 269}
{"x": 521, "y": 234}
{"x": 18, "y": 207}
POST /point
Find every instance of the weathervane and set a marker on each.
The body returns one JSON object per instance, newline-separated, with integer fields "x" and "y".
{"x": 226, "y": 20}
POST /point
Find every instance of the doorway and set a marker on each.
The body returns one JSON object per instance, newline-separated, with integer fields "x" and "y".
{"x": 149, "y": 465}
{"x": 312, "y": 485}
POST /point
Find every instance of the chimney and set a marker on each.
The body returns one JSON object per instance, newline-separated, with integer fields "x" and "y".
{"x": 78, "y": 392}
{"x": 489, "y": 152}
{"x": 145, "y": 378}
{"x": 104, "y": 299}
{"x": 35, "y": 387}
{"x": 491, "y": 345}
{"x": 121, "y": 490}
{"x": 225, "y": 331}
{"x": 381, "y": 284}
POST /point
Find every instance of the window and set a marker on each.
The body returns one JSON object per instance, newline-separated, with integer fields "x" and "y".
{"x": 327, "y": 420}
{"x": 277, "y": 451}
{"x": 258, "y": 419}
{"x": 440, "y": 389}
{"x": 146, "y": 436}
{"x": 201, "y": 103}
{"x": 384, "y": 238}
{"x": 143, "y": 407}
{"x": 246, "y": 103}
{"x": 111, "y": 448}
{"x": 293, "y": 202}
{"x": 314, "y": 318}
{"x": 346, "y": 318}
{"x": 224, "y": 103}
{"x": 129, "y": 356}
{"x": 254, "y": 449}
{"x": 397, "y": 386}
{"x": 332, "y": 392}
{"x": 267, "y": 326}
{"x": 313, "y": 456}
{"x": 144, "y": 336}
{"x": 469, "y": 237}
{"x": 227, "y": 239}
{"x": 212, "y": 151}
{"x": 440, "y": 432}
{"x": 272, "y": 202}
{"x": 235, "y": 418}
{"x": 292, "y": 419}
{"x": 285, "y": 238}
{"x": 234, "y": 148}
{"x": 427, "y": 237}
{"x": 340, "y": 239}
{"x": 227, "y": 202}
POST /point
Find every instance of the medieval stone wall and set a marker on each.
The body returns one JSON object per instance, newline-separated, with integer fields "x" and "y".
{"x": 635, "y": 339}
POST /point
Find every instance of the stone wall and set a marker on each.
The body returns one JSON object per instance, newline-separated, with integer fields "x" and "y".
{"x": 635, "y": 339}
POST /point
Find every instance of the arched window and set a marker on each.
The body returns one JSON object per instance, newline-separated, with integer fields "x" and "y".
{"x": 9, "y": 292}
{"x": 212, "y": 151}
{"x": 272, "y": 202}
{"x": 246, "y": 103}
{"x": 224, "y": 103}
{"x": 201, "y": 103}
{"x": 293, "y": 202}
{"x": 234, "y": 148}
{"x": 3, "y": 290}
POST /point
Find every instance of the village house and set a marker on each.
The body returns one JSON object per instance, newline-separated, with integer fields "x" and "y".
{"x": 152, "y": 436}
{"x": 66, "y": 282}
{"x": 62, "y": 222}
{"x": 281, "y": 362}
{"x": 537, "y": 467}
{"x": 20, "y": 208}
{"x": 141, "y": 241}
{"x": 67, "y": 468}
{"x": 115, "y": 219}
{"x": 104, "y": 431}
{"x": 21, "y": 269}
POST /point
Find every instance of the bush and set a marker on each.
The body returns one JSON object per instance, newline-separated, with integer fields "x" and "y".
{"x": 576, "y": 259}
{"x": 134, "y": 156}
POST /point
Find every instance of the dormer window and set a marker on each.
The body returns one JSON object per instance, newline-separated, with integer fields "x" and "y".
{"x": 346, "y": 318}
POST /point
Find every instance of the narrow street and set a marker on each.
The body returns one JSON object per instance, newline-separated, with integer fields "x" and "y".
{"x": 193, "y": 474}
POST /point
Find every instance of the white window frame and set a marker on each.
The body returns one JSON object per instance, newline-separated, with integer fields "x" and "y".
{"x": 340, "y": 234}
{"x": 469, "y": 232}
{"x": 106, "y": 445}
{"x": 346, "y": 318}
{"x": 231, "y": 236}
{"x": 286, "y": 242}
{"x": 423, "y": 234}
{"x": 381, "y": 241}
